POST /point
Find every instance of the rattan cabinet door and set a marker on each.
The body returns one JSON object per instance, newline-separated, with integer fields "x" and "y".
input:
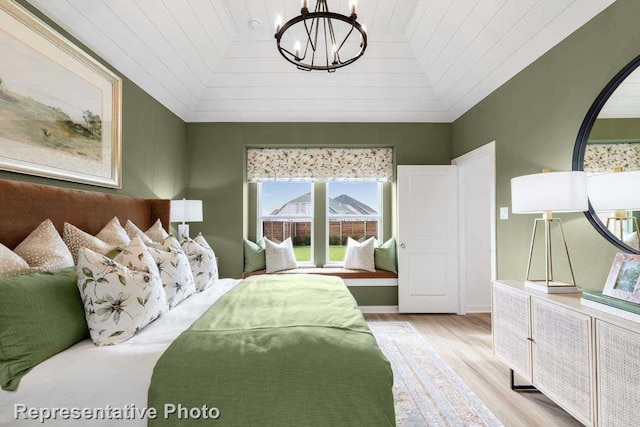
{"x": 618, "y": 360}
{"x": 510, "y": 316}
{"x": 562, "y": 357}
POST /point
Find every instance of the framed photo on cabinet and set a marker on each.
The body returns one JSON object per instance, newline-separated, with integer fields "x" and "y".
{"x": 60, "y": 109}
{"x": 624, "y": 278}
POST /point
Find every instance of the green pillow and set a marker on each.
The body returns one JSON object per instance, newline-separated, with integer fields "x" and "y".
{"x": 254, "y": 256}
{"x": 41, "y": 314}
{"x": 385, "y": 256}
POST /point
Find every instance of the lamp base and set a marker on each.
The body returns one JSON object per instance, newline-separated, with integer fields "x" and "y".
{"x": 553, "y": 288}
{"x": 183, "y": 232}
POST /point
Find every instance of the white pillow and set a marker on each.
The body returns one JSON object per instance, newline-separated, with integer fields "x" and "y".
{"x": 75, "y": 239}
{"x": 279, "y": 256}
{"x": 156, "y": 233}
{"x": 11, "y": 264}
{"x": 175, "y": 271}
{"x": 203, "y": 263}
{"x": 44, "y": 249}
{"x": 118, "y": 301}
{"x": 114, "y": 234}
{"x": 360, "y": 256}
{"x": 134, "y": 231}
{"x": 202, "y": 242}
{"x": 632, "y": 240}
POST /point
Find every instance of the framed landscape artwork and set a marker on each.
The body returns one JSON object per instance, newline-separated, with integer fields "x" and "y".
{"x": 624, "y": 278}
{"x": 60, "y": 110}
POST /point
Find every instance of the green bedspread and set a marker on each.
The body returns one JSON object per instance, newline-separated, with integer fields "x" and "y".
{"x": 278, "y": 351}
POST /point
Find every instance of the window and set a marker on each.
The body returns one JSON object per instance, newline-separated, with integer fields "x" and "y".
{"x": 353, "y": 210}
{"x": 286, "y": 210}
{"x": 341, "y": 188}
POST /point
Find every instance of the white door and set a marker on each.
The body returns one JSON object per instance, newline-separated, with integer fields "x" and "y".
{"x": 428, "y": 239}
{"x": 476, "y": 204}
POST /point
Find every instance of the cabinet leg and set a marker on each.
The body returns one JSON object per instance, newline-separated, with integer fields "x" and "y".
{"x": 515, "y": 387}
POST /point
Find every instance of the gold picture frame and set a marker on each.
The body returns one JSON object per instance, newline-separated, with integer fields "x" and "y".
{"x": 60, "y": 109}
{"x": 624, "y": 278}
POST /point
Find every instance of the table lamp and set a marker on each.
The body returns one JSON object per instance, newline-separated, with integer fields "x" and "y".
{"x": 618, "y": 192}
{"x": 185, "y": 211}
{"x": 546, "y": 193}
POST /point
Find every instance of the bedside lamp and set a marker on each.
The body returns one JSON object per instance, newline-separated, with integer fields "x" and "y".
{"x": 546, "y": 193}
{"x": 626, "y": 196}
{"x": 185, "y": 211}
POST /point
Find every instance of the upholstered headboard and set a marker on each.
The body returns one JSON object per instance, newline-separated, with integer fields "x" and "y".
{"x": 24, "y": 206}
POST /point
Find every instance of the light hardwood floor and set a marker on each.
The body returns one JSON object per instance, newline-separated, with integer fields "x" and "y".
{"x": 464, "y": 342}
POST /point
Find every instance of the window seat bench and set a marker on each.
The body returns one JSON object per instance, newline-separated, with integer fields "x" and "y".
{"x": 351, "y": 277}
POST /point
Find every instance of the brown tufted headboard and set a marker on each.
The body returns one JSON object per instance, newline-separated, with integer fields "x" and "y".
{"x": 24, "y": 206}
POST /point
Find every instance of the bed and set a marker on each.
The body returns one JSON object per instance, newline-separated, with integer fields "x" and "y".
{"x": 263, "y": 351}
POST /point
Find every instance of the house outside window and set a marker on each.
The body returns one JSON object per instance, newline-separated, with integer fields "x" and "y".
{"x": 286, "y": 211}
{"x": 353, "y": 211}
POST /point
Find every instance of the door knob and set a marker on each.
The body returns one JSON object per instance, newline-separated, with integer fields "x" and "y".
{"x": 402, "y": 245}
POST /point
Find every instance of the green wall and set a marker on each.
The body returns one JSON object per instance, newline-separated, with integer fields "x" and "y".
{"x": 534, "y": 119}
{"x": 216, "y": 157}
{"x": 611, "y": 130}
{"x": 153, "y": 142}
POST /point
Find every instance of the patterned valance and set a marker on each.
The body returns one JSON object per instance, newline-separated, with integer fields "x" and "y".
{"x": 319, "y": 164}
{"x": 600, "y": 158}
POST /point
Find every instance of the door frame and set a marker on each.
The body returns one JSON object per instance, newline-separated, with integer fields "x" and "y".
{"x": 490, "y": 150}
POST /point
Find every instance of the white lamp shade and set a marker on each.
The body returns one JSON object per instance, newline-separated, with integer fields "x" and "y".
{"x": 186, "y": 211}
{"x": 549, "y": 192}
{"x": 615, "y": 191}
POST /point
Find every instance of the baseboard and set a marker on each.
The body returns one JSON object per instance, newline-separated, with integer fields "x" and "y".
{"x": 478, "y": 309}
{"x": 379, "y": 309}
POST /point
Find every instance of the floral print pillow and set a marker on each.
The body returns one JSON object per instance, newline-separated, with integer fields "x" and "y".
{"x": 118, "y": 300}
{"x": 175, "y": 271}
{"x": 203, "y": 263}
{"x": 202, "y": 242}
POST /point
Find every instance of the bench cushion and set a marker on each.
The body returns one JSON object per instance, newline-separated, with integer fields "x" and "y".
{"x": 331, "y": 271}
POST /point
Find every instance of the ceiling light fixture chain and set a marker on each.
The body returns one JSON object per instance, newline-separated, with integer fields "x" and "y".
{"x": 322, "y": 20}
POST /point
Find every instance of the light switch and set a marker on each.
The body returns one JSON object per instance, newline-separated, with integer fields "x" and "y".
{"x": 504, "y": 212}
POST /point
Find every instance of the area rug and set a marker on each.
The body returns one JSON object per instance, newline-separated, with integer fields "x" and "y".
{"x": 427, "y": 391}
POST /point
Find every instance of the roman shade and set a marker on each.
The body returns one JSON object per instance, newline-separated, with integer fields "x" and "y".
{"x": 603, "y": 158}
{"x": 320, "y": 164}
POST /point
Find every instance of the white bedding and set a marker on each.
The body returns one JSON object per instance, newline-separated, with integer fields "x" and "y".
{"x": 86, "y": 376}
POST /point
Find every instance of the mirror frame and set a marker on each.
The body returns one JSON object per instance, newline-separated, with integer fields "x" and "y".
{"x": 581, "y": 146}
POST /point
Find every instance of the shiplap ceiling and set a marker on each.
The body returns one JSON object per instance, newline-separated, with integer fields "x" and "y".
{"x": 624, "y": 102}
{"x": 427, "y": 60}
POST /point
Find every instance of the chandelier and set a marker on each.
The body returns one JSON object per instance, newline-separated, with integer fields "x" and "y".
{"x": 331, "y": 40}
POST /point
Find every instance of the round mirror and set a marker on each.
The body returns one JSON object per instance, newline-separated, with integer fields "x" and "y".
{"x": 608, "y": 142}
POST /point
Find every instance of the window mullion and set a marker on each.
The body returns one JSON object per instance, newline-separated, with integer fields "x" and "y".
{"x": 319, "y": 223}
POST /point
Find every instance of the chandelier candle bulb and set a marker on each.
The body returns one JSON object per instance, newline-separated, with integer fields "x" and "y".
{"x": 296, "y": 49}
{"x": 279, "y": 22}
{"x": 304, "y": 5}
{"x": 353, "y": 6}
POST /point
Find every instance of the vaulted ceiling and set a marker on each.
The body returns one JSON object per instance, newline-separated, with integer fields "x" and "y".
{"x": 624, "y": 102}
{"x": 427, "y": 60}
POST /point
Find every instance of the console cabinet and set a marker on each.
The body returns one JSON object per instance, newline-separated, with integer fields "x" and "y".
{"x": 585, "y": 360}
